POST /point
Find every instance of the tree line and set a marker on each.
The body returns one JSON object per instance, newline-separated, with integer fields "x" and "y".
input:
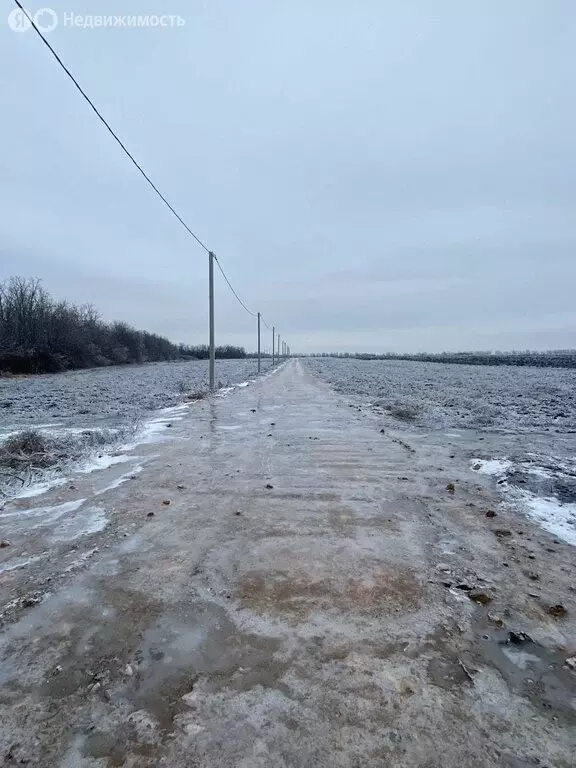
{"x": 39, "y": 334}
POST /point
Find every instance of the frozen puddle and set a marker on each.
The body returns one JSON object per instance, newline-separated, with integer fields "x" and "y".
{"x": 542, "y": 493}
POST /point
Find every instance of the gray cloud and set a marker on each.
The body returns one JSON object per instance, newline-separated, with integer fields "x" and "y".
{"x": 373, "y": 175}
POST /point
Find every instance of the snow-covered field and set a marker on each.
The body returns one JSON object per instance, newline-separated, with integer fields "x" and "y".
{"x": 441, "y": 395}
{"x": 524, "y": 420}
{"x": 87, "y": 415}
{"x": 109, "y": 396}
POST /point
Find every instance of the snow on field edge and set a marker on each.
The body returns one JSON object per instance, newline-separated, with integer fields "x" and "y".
{"x": 549, "y": 512}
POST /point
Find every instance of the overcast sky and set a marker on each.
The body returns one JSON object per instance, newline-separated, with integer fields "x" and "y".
{"x": 374, "y": 175}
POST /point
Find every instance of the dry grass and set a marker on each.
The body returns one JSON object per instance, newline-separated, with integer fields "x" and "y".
{"x": 28, "y": 448}
{"x": 404, "y": 412}
{"x": 30, "y": 455}
{"x": 196, "y": 395}
{"x": 184, "y": 388}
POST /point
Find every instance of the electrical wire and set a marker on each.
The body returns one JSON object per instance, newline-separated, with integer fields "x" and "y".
{"x": 108, "y": 127}
{"x": 254, "y": 314}
{"x": 132, "y": 158}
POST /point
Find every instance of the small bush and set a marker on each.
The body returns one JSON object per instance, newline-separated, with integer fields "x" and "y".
{"x": 403, "y": 413}
{"x": 196, "y": 396}
{"x": 26, "y": 443}
{"x": 25, "y": 449}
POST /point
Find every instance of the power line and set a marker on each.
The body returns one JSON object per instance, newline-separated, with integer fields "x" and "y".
{"x": 108, "y": 127}
{"x": 254, "y": 314}
{"x": 132, "y": 158}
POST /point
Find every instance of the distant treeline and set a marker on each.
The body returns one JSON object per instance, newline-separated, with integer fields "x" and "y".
{"x": 563, "y": 358}
{"x": 41, "y": 335}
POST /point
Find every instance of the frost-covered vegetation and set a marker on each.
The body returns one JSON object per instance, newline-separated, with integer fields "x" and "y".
{"x": 556, "y": 358}
{"x": 109, "y": 396}
{"x": 41, "y": 335}
{"x": 49, "y": 422}
{"x": 462, "y": 396}
{"x": 33, "y": 455}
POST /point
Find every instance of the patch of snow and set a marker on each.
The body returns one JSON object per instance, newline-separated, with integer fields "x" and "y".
{"x": 538, "y": 472}
{"x": 21, "y": 562}
{"x": 37, "y": 489}
{"x": 119, "y": 480}
{"x": 90, "y": 520}
{"x": 548, "y": 512}
{"x": 175, "y": 409}
{"x": 496, "y": 467}
{"x": 101, "y": 461}
{"x": 48, "y": 514}
{"x": 151, "y": 431}
{"x": 556, "y": 518}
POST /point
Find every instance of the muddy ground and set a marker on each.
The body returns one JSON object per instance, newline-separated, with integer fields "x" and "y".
{"x": 317, "y": 592}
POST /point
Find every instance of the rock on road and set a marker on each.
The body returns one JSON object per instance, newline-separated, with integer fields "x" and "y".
{"x": 313, "y": 594}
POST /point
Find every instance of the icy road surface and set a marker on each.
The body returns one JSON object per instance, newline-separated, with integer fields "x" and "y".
{"x": 518, "y": 424}
{"x": 281, "y": 584}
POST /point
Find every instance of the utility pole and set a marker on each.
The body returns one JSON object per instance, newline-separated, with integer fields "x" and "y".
{"x": 279, "y": 348}
{"x": 211, "y": 317}
{"x": 258, "y": 342}
{"x": 273, "y": 343}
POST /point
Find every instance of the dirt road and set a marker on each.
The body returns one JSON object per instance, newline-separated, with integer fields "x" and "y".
{"x": 313, "y": 594}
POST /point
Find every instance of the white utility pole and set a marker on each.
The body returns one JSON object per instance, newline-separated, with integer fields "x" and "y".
{"x": 258, "y": 342}
{"x": 211, "y": 317}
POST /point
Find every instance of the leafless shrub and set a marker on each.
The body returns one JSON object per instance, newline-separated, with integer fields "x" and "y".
{"x": 196, "y": 395}
{"x": 28, "y": 448}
